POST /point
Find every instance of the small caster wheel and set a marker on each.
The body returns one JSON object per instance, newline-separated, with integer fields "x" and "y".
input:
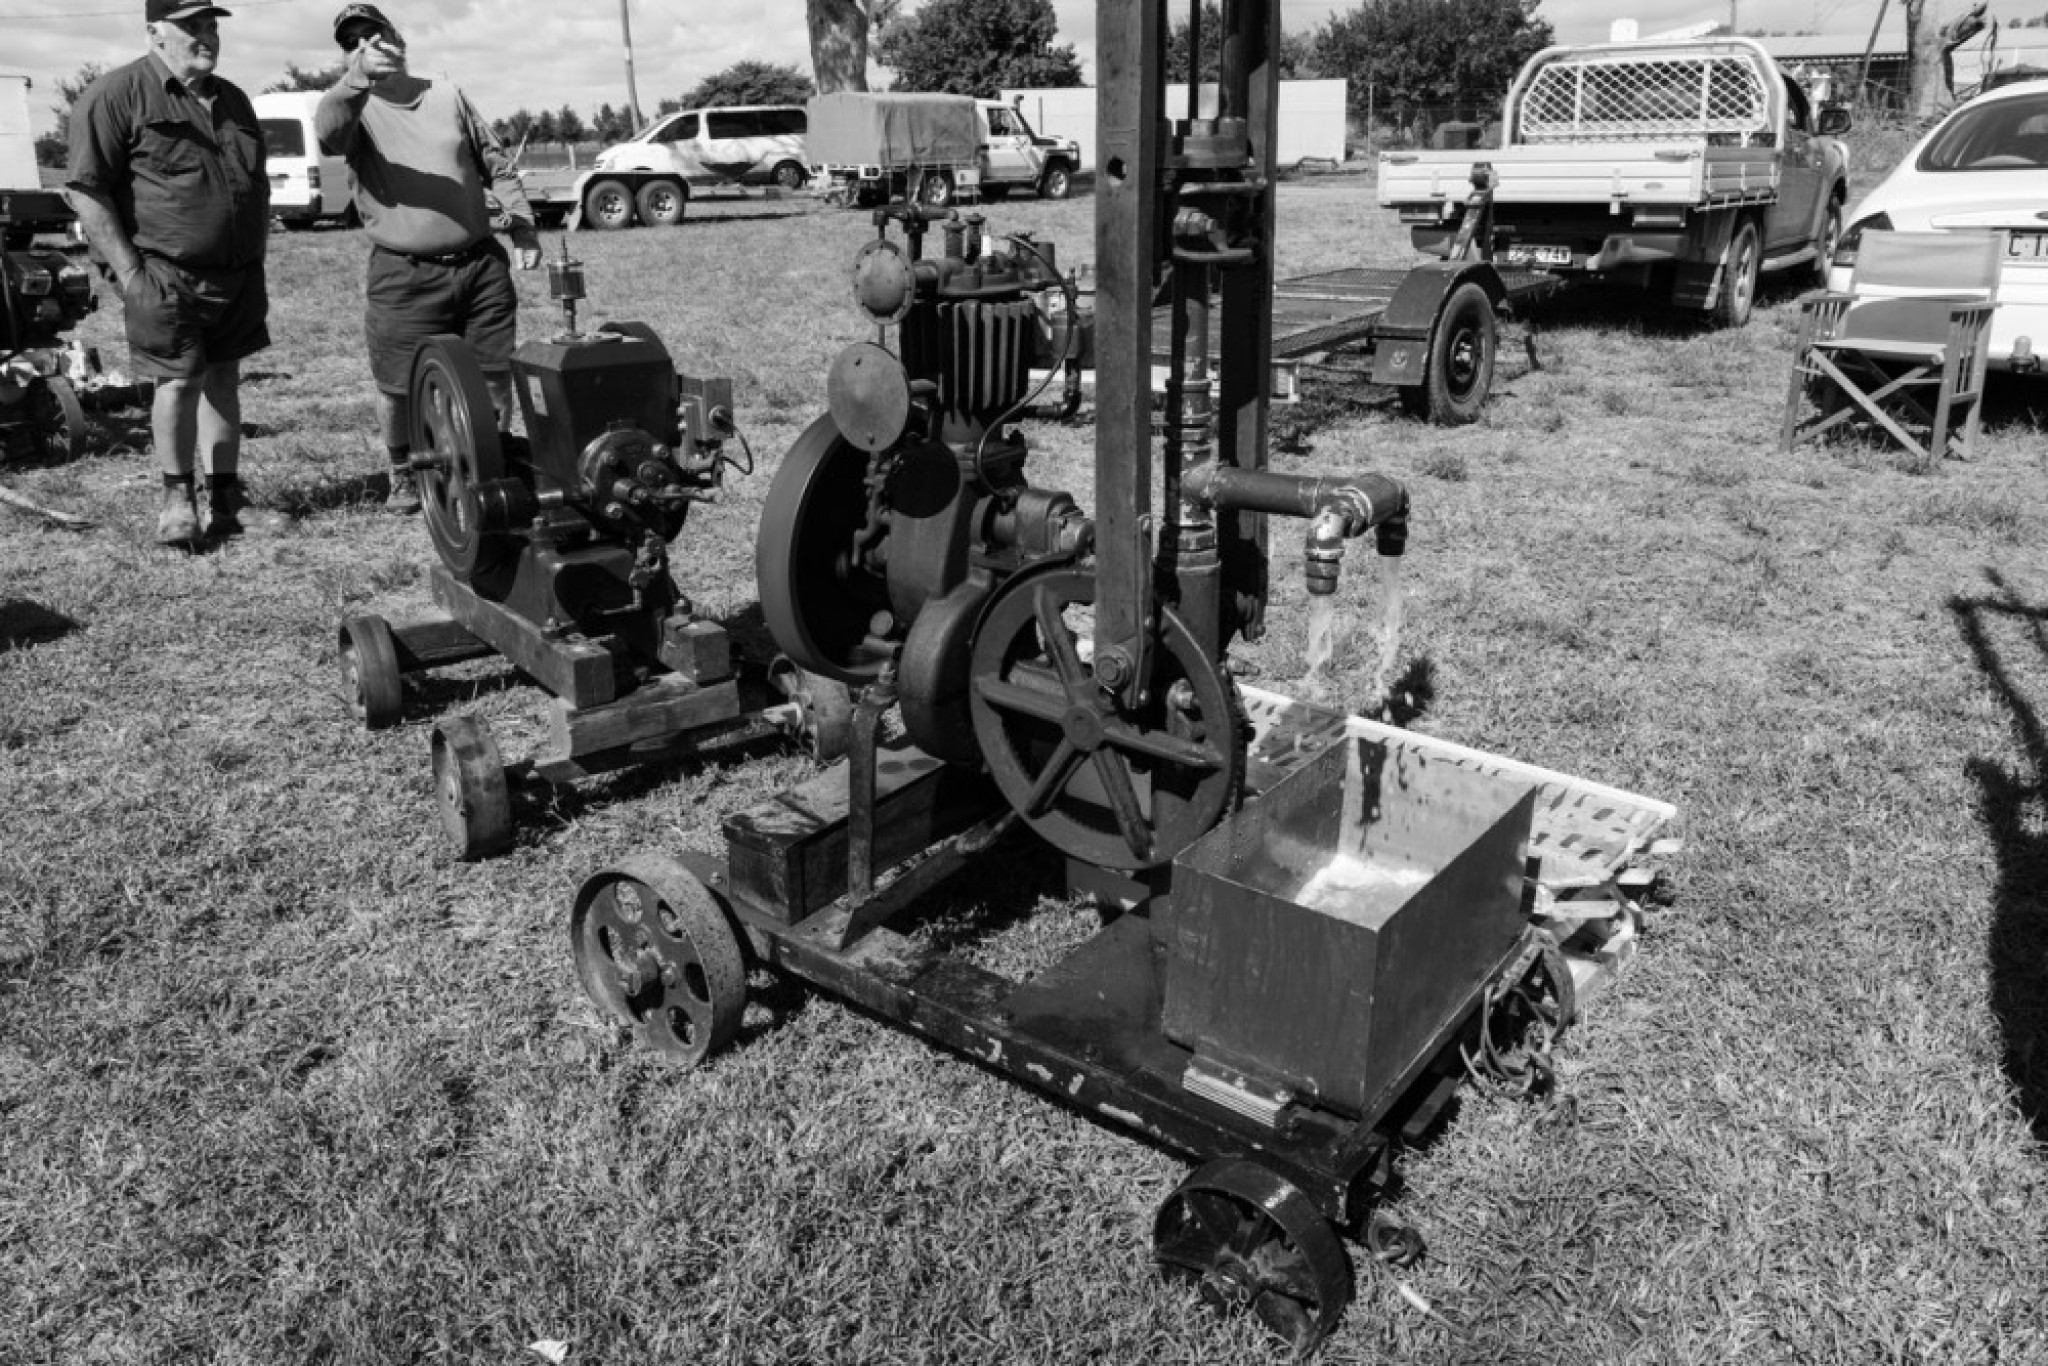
{"x": 470, "y": 789}
{"x": 654, "y": 950}
{"x": 370, "y": 679}
{"x": 825, "y": 705}
{"x": 1250, "y": 1241}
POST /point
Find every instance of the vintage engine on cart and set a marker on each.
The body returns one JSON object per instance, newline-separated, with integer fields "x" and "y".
{"x": 43, "y": 295}
{"x": 554, "y": 553}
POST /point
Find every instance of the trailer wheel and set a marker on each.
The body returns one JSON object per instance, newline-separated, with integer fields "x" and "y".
{"x": 608, "y": 205}
{"x": 791, "y": 176}
{"x": 662, "y": 203}
{"x": 1738, "y": 278}
{"x": 654, "y": 950}
{"x": 1459, "y": 373}
{"x": 1251, "y": 1242}
{"x": 470, "y": 789}
{"x": 370, "y": 678}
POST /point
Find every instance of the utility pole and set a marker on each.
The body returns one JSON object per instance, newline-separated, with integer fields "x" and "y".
{"x": 632, "y": 90}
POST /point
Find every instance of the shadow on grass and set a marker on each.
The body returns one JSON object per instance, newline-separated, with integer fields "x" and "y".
{"x": 24, "y": 623}
{"x": 2013, "y": 800}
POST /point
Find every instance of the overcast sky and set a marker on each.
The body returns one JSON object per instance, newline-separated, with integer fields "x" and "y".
{"x": 535, "y": 54}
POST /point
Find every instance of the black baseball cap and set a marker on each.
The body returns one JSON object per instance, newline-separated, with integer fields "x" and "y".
{"x": 178, "y": 9}
{"x": 353, "y": 15}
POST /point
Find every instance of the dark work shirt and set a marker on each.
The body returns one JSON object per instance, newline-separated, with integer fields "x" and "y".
{"x": 188, "y": 183}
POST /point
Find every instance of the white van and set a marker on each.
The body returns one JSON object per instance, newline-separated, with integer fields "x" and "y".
{"x": 306, "y": 187}
{"x": 650, "y": 175}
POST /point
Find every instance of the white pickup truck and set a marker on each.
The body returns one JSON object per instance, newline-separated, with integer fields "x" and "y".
{"x": 1683, "y": 168}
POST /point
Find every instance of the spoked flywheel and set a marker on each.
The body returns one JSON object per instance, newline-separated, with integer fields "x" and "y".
{"x": 454, "y": 438}
{"x": 654, "y": 950}
{"x": 1252, "y": 1242}
{"x": 1123, "y": 789}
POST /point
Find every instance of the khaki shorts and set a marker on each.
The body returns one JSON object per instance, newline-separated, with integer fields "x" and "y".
{"x": 412, "y": 299}
{"x": 181, "y": 320}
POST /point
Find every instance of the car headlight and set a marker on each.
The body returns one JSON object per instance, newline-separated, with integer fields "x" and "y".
{"x": 1845, "y": 250}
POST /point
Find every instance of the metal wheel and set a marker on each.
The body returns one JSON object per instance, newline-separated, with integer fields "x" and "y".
{"x": 370, "y": 678}
{"x": 608, "y": 205}
{"x": 1459, "y": 373}
{"x": 655, "y": 951}
{"x": 59, "y": 418}
{"x": 455, "y": 440}
{"x": 662, "y": 203}
{"x": 470, "y": 789}
{"x": 1123, "y": 790}
{"x": 818, "y": 601}
{"x": 1738, "y": 277}
{"x": 1251, "y": 1242}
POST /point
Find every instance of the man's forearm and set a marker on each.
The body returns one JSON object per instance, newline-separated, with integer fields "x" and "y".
{"x": 102, "y": 226}
{"x": 338, "y": 118}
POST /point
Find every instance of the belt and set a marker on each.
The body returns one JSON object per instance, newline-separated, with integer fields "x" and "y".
{"x": 446, "y": 258}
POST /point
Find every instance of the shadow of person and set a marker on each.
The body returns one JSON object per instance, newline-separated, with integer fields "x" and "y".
{"x": 2013, "y": 800}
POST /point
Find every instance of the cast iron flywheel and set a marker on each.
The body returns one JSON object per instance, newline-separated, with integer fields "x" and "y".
{"x": 817, "y": 599}
{"x": 454, "y": 436}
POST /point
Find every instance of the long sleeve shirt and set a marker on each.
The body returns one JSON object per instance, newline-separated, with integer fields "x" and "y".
{"x": 421, "y": 158}
{"x": 186, "y": 177}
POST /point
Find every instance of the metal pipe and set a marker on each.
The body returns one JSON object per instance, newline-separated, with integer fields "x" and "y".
{"x": 1338, "y": 509}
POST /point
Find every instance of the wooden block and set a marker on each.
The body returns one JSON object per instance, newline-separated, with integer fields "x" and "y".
{"x": 698, "y": 650}
{"x": 435, "y": 641}
{"x": 788, "y": 856}
{"x": 583, "y": 673}
{"x": 664, "y": 708}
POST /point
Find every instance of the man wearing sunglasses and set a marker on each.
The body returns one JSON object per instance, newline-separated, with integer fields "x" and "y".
{"x": 167, "y": 176}
{"x": 422, "y": 160}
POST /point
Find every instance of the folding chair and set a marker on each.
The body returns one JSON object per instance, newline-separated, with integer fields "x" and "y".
{"x": 1917, "y": 317}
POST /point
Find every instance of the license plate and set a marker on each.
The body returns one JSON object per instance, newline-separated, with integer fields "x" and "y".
{"x": 2027, "y": 246}
{"x": 1539, "y": 256}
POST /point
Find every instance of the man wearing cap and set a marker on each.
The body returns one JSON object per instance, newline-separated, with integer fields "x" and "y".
{"x": 167, "y": 175}
{"x": 422, "y": 159}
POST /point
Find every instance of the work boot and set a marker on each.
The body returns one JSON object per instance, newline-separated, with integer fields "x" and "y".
{"x": 404, "y": 497}
{"x": 229, "y": 512}
{"x": 178, "y": 522}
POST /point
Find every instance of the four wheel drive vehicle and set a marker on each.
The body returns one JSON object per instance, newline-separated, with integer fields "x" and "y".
{"x": 892, "y": 146}
{"x": 1683, "y": 168}
{"x": 306, "y": 185}
{"x": 1982, "y": 169}
{"x": 649, "y": 177}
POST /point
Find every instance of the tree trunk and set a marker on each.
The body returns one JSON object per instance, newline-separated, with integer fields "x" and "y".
{"x": 839, "y": 44}
{"x": 1934, "y": 30}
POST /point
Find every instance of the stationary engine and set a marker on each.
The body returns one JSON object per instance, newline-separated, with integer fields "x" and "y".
{"x": 43, "y": 295}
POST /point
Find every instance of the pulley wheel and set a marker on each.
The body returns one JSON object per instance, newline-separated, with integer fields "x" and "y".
{"x": 1123, "y": 789}
{"x": 470, "y": 791}
{"x": 654, "y": 950}
{"x": 817, "y": 599}
{"x": 824, "y": 707}
{"x": 1251, "y": 1242}
{"x": 454, "y": 437}
{"x": 370, "y": 678}
{"x": 59, "y": 419}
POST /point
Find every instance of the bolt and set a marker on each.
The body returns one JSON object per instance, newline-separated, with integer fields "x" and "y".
{"x": 1113, "y": 668}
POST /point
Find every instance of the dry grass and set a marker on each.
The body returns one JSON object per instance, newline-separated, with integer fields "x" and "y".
{"x": 279, "y": 1084}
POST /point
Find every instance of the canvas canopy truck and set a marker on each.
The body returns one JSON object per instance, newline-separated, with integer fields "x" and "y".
{"x": 933, "y": 147}
{"x": 1682, "y": 168}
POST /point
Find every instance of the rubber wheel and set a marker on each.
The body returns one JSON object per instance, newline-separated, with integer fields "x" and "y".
{"x": 1458, "y": 374}
{"x": 1251, "y": 1242}
{"x": 790, "y": 176}
{"x": 937, "y": 190}
{"x": 1738, "y": 278}
{"x": 662, "y": 203}
{"x": 655, "y": 951}
{"x": 1826, "y": 244}
{"x": 59, "y": 418}
{"x": 470, "y": 791}
{"x": 370, "y": 678}
{"x": 1056, "y": 183}
{"x": 608, "y": 205}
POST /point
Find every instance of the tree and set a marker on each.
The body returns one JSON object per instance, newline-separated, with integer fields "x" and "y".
{"x": 297, "y": 77}
{"x": 750, "y": 82}
{"x": 53, "y": 149}
{"x": 1297, "y": 54}
{"x": 569, "y": 126}
{"x": 1934, "y": 30}
{"x": 839, "y": 43}
{"x": 611, "y": 125}
{"x": 516, "y": 129}
{"x": 977, "y": 47}
{"x": 1417, "y": 60}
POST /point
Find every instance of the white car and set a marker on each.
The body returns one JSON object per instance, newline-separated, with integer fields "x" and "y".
{"x": 650, "y": 176}
{"x": 1984, "y": 168}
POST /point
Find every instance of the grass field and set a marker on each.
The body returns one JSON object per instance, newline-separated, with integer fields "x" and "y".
{"x": 279, "y": 1083}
